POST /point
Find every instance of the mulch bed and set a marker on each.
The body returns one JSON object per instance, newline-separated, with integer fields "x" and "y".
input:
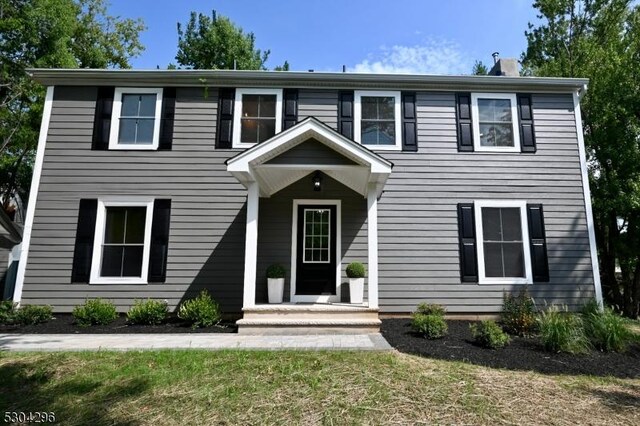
{"x": 63, "y": 324}
{"x": 521, "y": 354}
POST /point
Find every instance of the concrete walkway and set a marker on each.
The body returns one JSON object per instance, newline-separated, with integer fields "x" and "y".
{"x": 124, "y": 342}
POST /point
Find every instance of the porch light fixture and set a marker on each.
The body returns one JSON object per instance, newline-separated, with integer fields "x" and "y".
{"x": 317, "y": 181}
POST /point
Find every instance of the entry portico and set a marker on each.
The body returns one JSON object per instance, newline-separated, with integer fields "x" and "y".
{"x": 307, "y": 151}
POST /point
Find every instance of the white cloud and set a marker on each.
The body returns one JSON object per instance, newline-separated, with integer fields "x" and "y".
{"x": 431, "y": 57}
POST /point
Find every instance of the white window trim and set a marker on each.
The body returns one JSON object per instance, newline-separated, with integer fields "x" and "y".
{"x": 522, "y": 205}
{"x": 237, "y": 113}
{"x": 294, "y": 246}
{"x": 96, "y": 262}
{"x": 357, "y": 117}
{"x": 117, "y": 110}
{"x": 475, "y": 120}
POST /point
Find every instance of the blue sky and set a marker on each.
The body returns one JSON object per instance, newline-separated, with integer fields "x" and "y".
{"x": 428, "y": 36}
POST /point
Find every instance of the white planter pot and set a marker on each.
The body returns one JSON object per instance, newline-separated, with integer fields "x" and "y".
{"x": 356, "y": 289}
{"x": 276, "y": 289}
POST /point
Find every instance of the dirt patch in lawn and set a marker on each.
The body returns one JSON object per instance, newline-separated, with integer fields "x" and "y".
{"x": 521, "y": 354}
{"x": 64, "y": 324}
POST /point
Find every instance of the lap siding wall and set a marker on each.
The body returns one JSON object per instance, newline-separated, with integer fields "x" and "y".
{"x": 417, "y": 213}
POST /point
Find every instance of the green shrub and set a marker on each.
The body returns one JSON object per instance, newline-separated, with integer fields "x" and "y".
{"x": 148, "y": 312}
{"x": 562, "y": 332}
{"x": 429, "y": 326}
{"x": 488, "y": 334}
{"x": 591, "y": 307}
{"x": 430, "y": 309}
{"x": 95, "y": 312}
{"x": 7, "y": 311}
{"x": 607, "y": 330}
{"x": 519, "y": 313}
{"x": 202, "y": 311}
{"x": 276, "y": 271}
{"x": 33, "y": 314}
{"x": 356, "y": 270}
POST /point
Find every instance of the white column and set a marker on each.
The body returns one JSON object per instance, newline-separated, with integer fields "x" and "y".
{"x": 251, "y": 246}
{"x": 372, "y": 230}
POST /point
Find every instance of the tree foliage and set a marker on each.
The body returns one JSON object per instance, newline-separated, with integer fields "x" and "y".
{"x": 479, "y": 68}
{"x": 600, "y": 39}
{"x": 217, "y": 43}
{"x": 48, "y": 34}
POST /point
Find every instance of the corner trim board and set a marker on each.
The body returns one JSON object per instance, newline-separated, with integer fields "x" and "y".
{"x": 33, "y": 194}
{"x": 587, "y": 199}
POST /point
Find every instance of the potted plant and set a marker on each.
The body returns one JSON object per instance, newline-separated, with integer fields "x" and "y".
{"x": 275, "y": 282}
{"x": 356, "y": 273}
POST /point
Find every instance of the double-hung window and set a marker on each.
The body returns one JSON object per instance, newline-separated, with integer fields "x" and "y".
{"x": 377, "y": 121}
{"x": 503, "y": 242}
{"x": 495, "y": 122}
{"x": 122, "y": 241}
{"x": 257, "y": 116}
{"x": 135, "y": 121}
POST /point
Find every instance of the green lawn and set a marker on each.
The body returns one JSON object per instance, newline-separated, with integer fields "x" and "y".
{"x": 201, "y": 387}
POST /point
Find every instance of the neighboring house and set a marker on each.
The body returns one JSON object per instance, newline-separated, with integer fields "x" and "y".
{"x": 10, "y": 246}
{"x": 452, "y": 189}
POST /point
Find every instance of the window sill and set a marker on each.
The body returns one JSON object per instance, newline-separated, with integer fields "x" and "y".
{"x": 511, "y": 281}
{"x": 244, "y": 145}
{"x": 497, "y": 149}
{"x": 133, "y": 147}
{"x": 382, "y": 147}
{"x": 115, "y": 280}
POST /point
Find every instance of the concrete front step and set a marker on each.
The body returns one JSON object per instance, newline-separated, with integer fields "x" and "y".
{"x": 309, "y": 319}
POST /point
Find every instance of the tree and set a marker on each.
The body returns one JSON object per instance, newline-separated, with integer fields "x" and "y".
{"x": 479, "y": 68}
{"x": 48, "y": 33}
{"x": 600, "y": 39}
{"x": 217, "y": 43}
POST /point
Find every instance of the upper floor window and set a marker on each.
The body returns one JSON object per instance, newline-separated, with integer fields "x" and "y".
{"x": 135, "y": 122}
{"x": 495, "y": 122}
{"x": 503, "y": 242}
{"x": 257, "y": 116}
{"x": 377, "y": 121}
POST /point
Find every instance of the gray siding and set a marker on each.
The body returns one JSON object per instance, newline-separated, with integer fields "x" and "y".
{"x": 418, "y": 233}
{"x": 311, "y": 152}
{"x": 321, "y": 104}
{"x": 417, "y": 212}
{"x": 206, "y": 243}
{"x": 274, "y": 229}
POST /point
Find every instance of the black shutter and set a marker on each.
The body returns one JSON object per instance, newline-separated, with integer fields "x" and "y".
{"x": 467, "y": 236}
{"x": 102, "y": 118}
{"x": 166, "y": 121}
{"x": 463, "y": 122}
{"x": 290, "y": 110}
{"x": 538, "y": 240}
{"x": 409, "y": 137}
{"x": 225, "y": 118}
{"x": 345, "y": 113}
{"x": 159, "y": 241}
{"x": 527, "y": 133}
{"x": 85, "y": 232}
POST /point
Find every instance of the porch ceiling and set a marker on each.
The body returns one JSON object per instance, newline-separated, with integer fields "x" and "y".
{"x": 364, "y": 170}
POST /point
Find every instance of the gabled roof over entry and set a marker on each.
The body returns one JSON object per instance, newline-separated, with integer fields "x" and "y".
{"x": 304, "y": 148}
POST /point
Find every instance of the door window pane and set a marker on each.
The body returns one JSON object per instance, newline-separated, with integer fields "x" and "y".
{"x": 317, "y": 223}
{"x": 502, "y": 242}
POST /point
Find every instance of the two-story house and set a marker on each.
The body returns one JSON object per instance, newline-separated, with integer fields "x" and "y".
{"x": 451, "y": 189}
